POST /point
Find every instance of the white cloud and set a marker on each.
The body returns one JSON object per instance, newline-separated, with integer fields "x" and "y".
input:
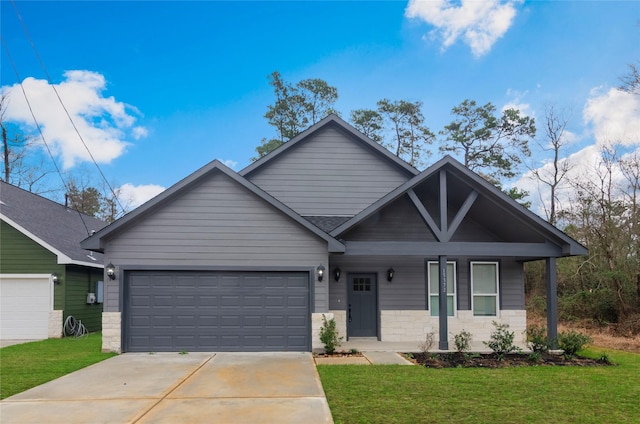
{"x": 230, "y": 163}
{"x": 103, "y": 122}
{"x": 614, "y": 117}
{"x": 133, "y": 196}
{"x": 479, "y": 23}
{"x": 518, "y": 103}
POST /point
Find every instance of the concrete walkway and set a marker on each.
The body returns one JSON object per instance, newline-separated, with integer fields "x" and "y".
{"x": 172, "y": 388}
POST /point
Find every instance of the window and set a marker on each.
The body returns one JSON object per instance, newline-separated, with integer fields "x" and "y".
{"x": 484, "y": 286}
{"x": 434, "y": 280}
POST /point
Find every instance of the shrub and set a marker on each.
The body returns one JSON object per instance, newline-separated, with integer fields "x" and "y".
{"x": 501, "y": 341}
{"x": 329, "y": 335}
{"x": 571, "y": 342}
{"x": 537, "y": 338}
{"x": 426, "y": 345}
{"x": 462, "y": 341}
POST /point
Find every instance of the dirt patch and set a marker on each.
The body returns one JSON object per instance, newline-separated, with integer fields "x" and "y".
{"x": 492, "y": 360}
{"x": 602, "y": 336}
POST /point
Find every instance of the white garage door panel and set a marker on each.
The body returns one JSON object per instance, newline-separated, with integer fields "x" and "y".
{"x": 25, "y": 304}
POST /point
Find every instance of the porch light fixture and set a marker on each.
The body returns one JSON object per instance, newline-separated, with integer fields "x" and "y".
{"x": 54, "y": 278}
{"x": 336, "y": 273}
{"x": 390, "y": 274}
{"x": 111, "y": 271}
{"x": 320, "y": 270}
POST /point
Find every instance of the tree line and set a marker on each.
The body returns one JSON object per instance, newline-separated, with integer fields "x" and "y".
{"x": 602, "y": 211}
{"x": 492, "y": 143}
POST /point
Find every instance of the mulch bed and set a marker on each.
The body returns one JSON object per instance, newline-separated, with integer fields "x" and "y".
{"x": 491, "y": 360}
{"x": 341, "y": 354}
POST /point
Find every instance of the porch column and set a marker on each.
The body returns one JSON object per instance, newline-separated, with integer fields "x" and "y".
{"x": 552, "y": 303}
{"x": 442, "y": 303}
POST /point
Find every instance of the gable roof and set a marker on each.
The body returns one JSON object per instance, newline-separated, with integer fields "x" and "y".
{"x": 53, "y": 226}
{"x": 522, "y": 214}
{"x": 331, "y": 119}
{"x": 95, "y": 241}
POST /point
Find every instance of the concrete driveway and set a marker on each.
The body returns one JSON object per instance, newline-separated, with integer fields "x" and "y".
{"x": 173, "y": 388}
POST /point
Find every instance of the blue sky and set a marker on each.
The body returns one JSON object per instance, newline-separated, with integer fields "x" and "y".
{"x": 164, "y": 87}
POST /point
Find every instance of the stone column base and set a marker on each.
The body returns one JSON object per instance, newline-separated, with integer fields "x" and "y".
{"x": 55, "y": 324}
{"x": 112, "y": 332}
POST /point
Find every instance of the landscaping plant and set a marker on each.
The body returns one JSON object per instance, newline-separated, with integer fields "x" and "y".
{"x": 462, "y": 341}
{"x": 537, "y": 338}
{"x": 329, "y": 335}
{"x": 428, "y": 343}
{"x": 572, "y": 341}
{"x": 501, "y": 341}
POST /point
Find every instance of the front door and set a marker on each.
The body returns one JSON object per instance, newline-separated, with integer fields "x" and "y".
{"x": 362, "y": 316}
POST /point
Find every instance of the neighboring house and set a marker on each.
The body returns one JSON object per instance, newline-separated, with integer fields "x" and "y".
{"x": 328, "y": 224}
{"x": 45, "y": 275}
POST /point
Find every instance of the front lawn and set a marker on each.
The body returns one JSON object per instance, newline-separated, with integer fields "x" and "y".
{"x": 415, "y": 394}
{"x": 28, "y": 365}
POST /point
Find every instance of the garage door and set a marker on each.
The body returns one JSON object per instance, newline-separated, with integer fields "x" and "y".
{"x": 25, "y": 304}
{"x": 216, "y": 311}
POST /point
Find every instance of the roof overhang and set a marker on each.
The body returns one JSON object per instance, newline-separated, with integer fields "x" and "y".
{"x": 61, "y": 258}
{"x": 566, "y": 246}
{"x": 96, "y": 241}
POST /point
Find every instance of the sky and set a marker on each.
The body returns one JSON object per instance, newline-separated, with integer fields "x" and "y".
{"x": 157, "y": 89}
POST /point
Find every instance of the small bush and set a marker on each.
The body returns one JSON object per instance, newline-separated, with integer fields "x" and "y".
{"x": 329, "y": 335}
{"x": 428, "y": 343}
{"x": 462, "y": 341}
{"x": 571, "y": 342}
{"x": 501, "y": 341}
{"x": 537, "y": 338}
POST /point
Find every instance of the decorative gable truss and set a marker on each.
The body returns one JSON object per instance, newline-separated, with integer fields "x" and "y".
{"x": 449, "y": 217}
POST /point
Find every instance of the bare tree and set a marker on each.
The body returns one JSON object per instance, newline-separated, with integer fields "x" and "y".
{"x": 553, "y": 174}
{"x": 23, "y": 161}
{"x": 631, "y": 81}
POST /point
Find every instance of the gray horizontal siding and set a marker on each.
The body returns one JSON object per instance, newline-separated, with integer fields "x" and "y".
{"x": 329, "y": 174}
{"x": 217, "y": 223}
{"x": 512, "y": 285}
{"x": 407, "y": 291}
{"x": 400, "y": 221}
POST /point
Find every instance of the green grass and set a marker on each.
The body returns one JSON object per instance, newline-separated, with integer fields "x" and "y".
{"x": 30, "y": 364}
{"x": 402, "y": 394}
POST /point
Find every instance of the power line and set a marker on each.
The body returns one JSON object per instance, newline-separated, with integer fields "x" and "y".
{"x": 39, "y": 128}
{"x": 51, "y": 84}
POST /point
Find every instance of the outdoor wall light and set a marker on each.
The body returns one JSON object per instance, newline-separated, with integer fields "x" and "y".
{"x": 54, "y": 278}
{"x": 337, "y": 272}
{"x": 320, "y": 270}
{"x": 390, "y": 274}
{"x": 111, "y": 271}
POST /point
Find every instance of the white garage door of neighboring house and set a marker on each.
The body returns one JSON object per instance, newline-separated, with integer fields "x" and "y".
{"x": 216, "y": 311}
{"x": 25, "y": 304}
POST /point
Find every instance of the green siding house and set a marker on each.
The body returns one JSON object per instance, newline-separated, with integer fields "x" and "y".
{"x": 45, "y": 275}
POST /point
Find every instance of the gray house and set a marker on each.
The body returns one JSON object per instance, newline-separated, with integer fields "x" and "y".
{"x": 45, "y": 275}
{"x": 328, "y": 224}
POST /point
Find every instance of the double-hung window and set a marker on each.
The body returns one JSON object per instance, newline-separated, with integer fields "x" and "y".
{"x": 434, "y": 283}
{"x": 484, "y": 288}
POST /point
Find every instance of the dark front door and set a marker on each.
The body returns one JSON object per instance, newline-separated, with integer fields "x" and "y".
{"x": 362, "y": 315}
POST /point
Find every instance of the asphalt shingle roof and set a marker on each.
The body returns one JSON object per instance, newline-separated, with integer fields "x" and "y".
{"x": 327, "y": 223}
{"x": 60, "y": 227}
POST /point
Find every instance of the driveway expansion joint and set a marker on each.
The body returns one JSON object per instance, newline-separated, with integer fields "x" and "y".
{"x": 170, "y": 390}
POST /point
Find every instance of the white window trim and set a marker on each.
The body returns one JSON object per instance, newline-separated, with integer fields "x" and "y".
{"x": 497, "y": 294}
{"x": 455, "y": 287}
